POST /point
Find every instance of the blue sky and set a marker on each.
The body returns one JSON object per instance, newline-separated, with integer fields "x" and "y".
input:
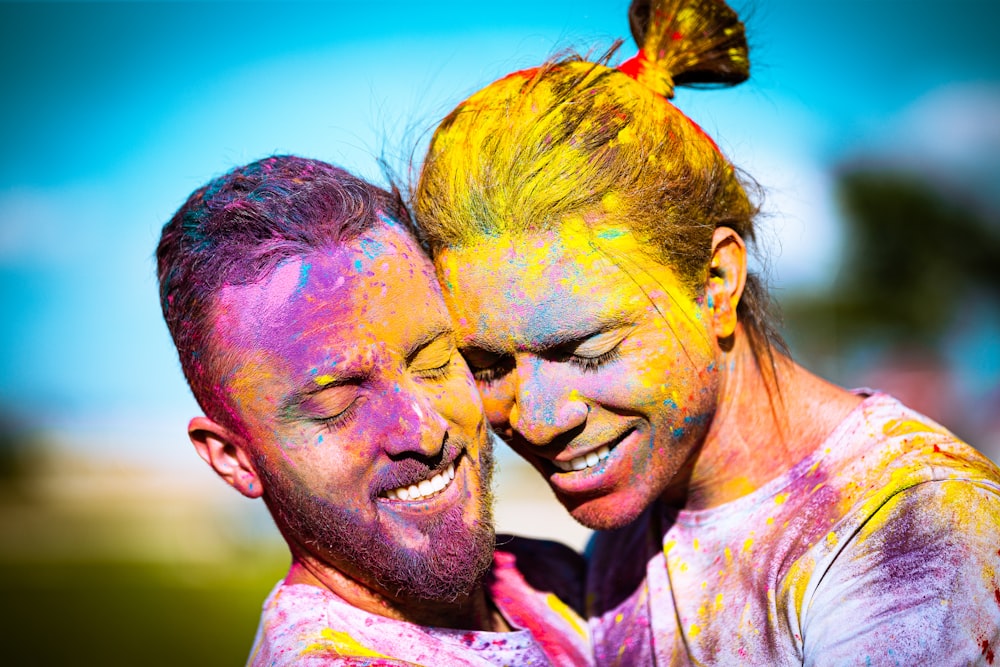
{"x": 113, "y": 113}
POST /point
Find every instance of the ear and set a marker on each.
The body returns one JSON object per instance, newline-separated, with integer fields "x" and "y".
{"x": 727, "y": 274}
{"x": 227, "y": 455}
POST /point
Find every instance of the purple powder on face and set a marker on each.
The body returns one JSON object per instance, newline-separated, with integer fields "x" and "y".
{"x": 237, "y": 229}
{"x": 456, "y": 561}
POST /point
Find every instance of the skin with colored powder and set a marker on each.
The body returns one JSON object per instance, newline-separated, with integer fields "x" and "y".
{"x": 356, "y": 404}
{"x": 585, "y": 362}
{"x": 591, "y": 242}
{"x": 314, "y": 333}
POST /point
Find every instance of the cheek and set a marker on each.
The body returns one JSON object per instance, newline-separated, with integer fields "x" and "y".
{"x": 667, "y": 371}
{"x": 317, "y": 468}
{"x": 380, "y": 419}
{"x": 497, "y": 401}
{"x": 630, "y": 383}
{"x": 459, "y": 400}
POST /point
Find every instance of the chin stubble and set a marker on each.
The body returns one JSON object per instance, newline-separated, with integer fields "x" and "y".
{"x": 459, "y": 555}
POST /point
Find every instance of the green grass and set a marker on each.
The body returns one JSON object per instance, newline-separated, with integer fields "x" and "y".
{"x": 112, "y": 614}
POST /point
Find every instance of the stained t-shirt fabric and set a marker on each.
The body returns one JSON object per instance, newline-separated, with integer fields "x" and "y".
{"x": 536, "y": 585}
{"x": 880, "y": 548}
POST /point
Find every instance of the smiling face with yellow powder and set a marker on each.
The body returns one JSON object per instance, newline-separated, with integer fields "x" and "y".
{"x": 589, "y": 239}
{"x": 594, "y": 362}
{"x": 590, "y": 242}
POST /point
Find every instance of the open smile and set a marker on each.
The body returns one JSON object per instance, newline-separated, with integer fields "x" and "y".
{"x": 425, "y": 488}
{"x": 588, "y": 460}
{"x": 433, "y": 485}
{"x": 593, "y": 458}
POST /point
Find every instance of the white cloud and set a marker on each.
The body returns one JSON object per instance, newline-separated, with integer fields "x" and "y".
{"x": 801, "y": 229}
{"x": 777, "y": 141}
{"x": 951, "y": 136}
{"x": 956, "y": 123}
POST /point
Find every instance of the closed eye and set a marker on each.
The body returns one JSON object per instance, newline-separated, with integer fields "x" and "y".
{"x": 591, "y": 364}
{"x": 433, "y": 360}
{"x": 593, "y": 352}
{"x": 343, "y": 418}
{"x": 487, "y": 367}
{"x": 335, "y": 406}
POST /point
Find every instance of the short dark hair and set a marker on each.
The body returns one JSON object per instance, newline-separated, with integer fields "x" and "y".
{"x": 235, "y": 230}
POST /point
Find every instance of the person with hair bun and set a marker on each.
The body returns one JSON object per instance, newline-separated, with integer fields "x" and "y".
{"x": 591, "y": 241}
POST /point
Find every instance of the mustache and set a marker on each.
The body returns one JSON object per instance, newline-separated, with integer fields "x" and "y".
{"x": 412, "y": 467}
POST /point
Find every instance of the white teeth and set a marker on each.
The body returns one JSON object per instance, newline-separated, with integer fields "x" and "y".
{"x": 427, "y": 487}
{"x": 588, "y": 460}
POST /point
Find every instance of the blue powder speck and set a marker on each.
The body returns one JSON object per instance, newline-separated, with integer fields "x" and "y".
{"x": 304, "y": 274}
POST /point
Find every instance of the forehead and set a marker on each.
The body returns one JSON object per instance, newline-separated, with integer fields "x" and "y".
{"x": 378, "y": 289}
{"x": 528, "y": 288}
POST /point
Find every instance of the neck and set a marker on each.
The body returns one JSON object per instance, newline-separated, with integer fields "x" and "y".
{"x": 474, "y": 611}
{"x": 766, "y": 422}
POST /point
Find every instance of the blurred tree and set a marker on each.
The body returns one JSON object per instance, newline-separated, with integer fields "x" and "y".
{"x": 19, "y": 453}
{"x": 915, "y": 254}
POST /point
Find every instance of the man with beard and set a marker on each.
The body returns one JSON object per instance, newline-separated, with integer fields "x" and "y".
{"x": 312, "y": 332}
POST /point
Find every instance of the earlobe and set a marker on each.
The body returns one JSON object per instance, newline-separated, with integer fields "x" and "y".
{"x": 226, "y": 454}
{"x": 726, "y": 278}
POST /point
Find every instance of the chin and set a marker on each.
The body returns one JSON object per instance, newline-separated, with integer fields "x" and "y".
{"x": 608, "y": 512}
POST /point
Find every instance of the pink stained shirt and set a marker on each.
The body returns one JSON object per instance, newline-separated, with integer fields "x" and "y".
{"x": 880, "y": 548}
{"x": 535, "y": 585}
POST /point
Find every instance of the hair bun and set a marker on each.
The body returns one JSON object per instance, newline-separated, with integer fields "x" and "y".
{"x": 687, "y": 43}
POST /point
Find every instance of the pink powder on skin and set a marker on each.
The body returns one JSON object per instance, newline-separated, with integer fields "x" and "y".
{"x": 349, "y": 385}
{"x": 575, "y": 349}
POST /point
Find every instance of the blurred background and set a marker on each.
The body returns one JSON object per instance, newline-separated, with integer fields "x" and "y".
{"x": 872, "y": 125}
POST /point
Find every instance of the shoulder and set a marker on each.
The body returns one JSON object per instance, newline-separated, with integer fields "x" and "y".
{"x": 916, "y": 478}
{"x": 304, "y": 625}
{"x": 913, "y": 515}
{"x": 916, "y": 574}
{"x": 889, "y": 471}
{"x": 886, "y": 447}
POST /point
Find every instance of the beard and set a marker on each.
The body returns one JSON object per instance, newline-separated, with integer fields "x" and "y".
{"x": 453, "y": 564}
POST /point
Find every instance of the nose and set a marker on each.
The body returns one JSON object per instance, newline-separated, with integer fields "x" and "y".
{"x": 544, "y": 407}
{"x": 414, "y": 426}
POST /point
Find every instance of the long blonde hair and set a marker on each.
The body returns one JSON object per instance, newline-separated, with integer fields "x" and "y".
{"x": 582, "y": 139}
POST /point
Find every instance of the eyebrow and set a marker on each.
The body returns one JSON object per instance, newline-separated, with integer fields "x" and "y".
{"x": 566, "y": 337}
{"x": 602, "y": 324}
{"x": 426, "y": 338}
{"x": 346, "y": 374}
